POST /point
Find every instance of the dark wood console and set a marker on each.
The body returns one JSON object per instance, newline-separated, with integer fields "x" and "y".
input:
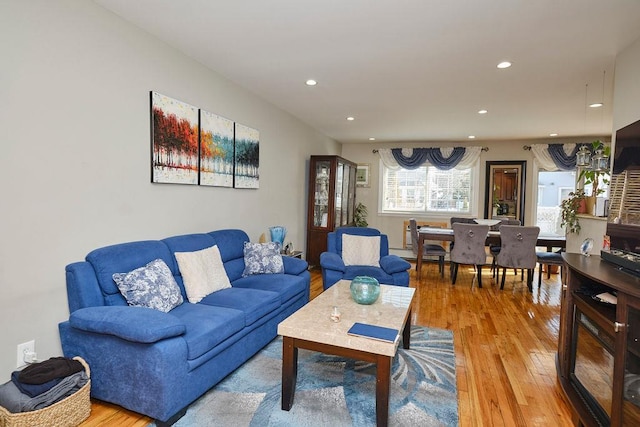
{"x": 598, "y": 359}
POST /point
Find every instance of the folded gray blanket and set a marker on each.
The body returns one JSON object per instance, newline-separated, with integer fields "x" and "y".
{"x": 12, "y": 399}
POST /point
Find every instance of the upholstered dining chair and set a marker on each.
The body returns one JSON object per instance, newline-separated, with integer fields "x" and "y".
{"x": 517, "y": 250}
{"x": 548, "y": 259}
{"x": 469, "y": 248}
{"x": 494, "y": 250}
{"x": 428, "y": 250}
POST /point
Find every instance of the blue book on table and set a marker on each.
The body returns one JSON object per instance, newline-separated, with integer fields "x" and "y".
{"x": 373, "y": 331}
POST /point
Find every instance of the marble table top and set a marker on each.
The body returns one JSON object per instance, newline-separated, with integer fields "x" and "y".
{"x": 313, "y": 321}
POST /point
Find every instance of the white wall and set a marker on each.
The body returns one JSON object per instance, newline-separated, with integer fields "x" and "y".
{"x": 75, "y": 151}
{"x": 626, "y": 94}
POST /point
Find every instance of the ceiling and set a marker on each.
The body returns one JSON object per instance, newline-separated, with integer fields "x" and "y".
{"x": 410, "y": 70}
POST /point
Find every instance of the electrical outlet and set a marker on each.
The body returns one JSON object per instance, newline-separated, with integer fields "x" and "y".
{"x": 27, "y": 347}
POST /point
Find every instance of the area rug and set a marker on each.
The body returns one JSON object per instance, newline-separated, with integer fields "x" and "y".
{"x": 336, "y": 391}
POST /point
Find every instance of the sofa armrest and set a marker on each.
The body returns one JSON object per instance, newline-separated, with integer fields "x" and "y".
{"x": 332, "y": 261}
{"x": 136, "y": 324}
{"x": 394, "y": 264}
{"x": 294, "y": 265}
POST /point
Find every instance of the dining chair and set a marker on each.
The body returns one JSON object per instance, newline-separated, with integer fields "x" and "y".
{"x": 428, "y": 250}
{"x": 548, "y": 259}
{"x": 469, "y": 248}
{"x": 494, "y": 250}
{"x": 517, "y": 250}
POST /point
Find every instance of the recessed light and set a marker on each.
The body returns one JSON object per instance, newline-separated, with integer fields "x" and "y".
{"x": 311, "y": 82}
{"x": 471, "y": 137}
{"x": 553, "y": 134}
{"x": 351, "y": 118}
{"x": 504, "y": 64}
{"x": 596, "y": 105}
{"x": 482, "y": 111}
{"x": 372, "y": 139}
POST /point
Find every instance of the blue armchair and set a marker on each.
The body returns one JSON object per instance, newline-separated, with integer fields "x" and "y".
{"x": 361, "y": 257}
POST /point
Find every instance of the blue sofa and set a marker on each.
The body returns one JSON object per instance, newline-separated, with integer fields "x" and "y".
{"x": 157, "y": 363}
{"x": 393, "y": 270}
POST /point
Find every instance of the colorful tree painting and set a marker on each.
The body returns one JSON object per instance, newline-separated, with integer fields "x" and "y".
{"x": 174, "y": 140}
{"x": 216, "y": 150}
{"x": 247, "y": 158}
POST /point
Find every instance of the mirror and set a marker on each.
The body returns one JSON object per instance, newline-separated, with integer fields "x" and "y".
{"x": 504, "y": 193}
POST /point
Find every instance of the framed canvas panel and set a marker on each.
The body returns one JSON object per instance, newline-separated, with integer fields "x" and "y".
{"x": 362, "y": 175}
{"x": 174, "y": 141}
{"x": 216, "y": 150}
{"x": 247, "y": 159}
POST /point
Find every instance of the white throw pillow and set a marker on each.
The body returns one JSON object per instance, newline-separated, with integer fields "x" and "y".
{"x": 361, "y": 250}
{"x": 202, "y": 273}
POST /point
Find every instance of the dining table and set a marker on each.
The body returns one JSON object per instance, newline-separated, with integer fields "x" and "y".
{"x": 493, "y": 238}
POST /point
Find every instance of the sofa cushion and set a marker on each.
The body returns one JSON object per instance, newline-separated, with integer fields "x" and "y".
{"x": 136, "y": 324}
{"x": 286, "y": 286}
{"x": 361, "y": 250}
{"x": 254, "y": 303}
{"x": 202, "y": 273}
{"x": 207, "y": 326}
{"x": 151, "y": 286}
{"x": 363, "y": 270}
{"x": 262, "y": 258}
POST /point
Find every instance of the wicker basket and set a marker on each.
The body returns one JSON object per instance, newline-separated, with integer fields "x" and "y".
{"x": 67, "y": 412}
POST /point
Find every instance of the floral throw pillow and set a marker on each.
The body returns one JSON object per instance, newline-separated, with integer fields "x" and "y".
{"x": 151, "y": 286}
{"x": 262, "y": 258}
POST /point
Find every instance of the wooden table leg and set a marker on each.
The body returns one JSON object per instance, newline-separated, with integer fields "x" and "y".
{"x": 289, "y": 372}
{"x": 406, "y": 333}
{"x": 383, "y": 382}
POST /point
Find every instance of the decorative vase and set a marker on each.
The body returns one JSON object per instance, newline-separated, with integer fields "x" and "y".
{"x": 277, "y": 234}
{"x": 365, "y": 290}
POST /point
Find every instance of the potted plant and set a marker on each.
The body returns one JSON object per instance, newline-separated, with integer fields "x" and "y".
{"x": 570, "y": 208}
{"x": 360, "y": 215}
{"x": 592, "y": 176}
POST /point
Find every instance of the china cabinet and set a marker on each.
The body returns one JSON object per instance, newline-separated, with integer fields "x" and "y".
{"x": 332, "y": 197}
{"x": 599, "y": 343}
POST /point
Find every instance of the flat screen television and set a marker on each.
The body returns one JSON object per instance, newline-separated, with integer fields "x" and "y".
{"x": 627, "y": 149}
{"x": 626, "y": 157}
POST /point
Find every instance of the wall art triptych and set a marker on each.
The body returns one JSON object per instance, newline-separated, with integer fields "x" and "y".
{"x": 193, "y": 146}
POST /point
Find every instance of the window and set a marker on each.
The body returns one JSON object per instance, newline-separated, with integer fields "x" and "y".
{"x": 427, "y": 190}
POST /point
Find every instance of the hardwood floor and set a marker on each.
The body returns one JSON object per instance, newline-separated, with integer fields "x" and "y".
{"x": 505, "y": 344}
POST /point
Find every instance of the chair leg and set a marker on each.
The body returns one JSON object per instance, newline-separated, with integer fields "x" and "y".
{"x": 454, "y": 273}
{"x": 540, "y": 275}
{"x": 441, "y": 266}
{"x": 549, "y": 271}
{"x": 504, "y": 273}
{"x": 479, "y": 276}
{"x": 530, "y": 279}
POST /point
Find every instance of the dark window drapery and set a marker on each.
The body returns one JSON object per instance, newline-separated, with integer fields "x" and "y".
{"x": 561, "y": 159}
{"x": 420, "y": 156}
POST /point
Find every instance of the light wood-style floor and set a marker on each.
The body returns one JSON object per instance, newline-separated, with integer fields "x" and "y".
{"x": 505, "y": 344}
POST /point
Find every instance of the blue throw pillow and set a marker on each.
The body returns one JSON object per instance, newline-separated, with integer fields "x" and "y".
{"x": 151, "y": 286}
{"x": 262, "y": 258}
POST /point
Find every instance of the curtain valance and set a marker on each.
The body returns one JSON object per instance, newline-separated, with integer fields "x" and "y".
{"x": 554, "y": 157}
{"x": 444, "y": 158}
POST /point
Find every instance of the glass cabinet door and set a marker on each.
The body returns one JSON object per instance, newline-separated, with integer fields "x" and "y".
{"x": 631, "y": 383}
{"x": 321, "y": 201}
{"x": 345, "y": 194}
{"x": 338, "y": 206}
{"x": 352, "y": 195}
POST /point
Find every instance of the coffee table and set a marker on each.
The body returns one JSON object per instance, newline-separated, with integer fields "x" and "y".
{"x": 311, "y": 328}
